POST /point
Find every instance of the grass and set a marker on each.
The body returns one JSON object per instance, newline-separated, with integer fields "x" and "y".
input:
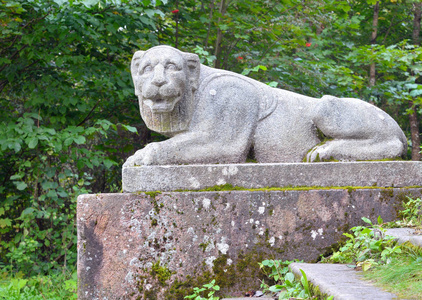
{"x": 402, "y": 276}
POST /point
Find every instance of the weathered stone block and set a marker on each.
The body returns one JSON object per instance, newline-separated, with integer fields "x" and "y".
{"x": 160, "y": 245}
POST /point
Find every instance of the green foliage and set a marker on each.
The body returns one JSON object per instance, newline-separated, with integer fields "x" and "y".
{"x": 205, "y": 57}
{"x": 286, "y": 285}
{"x": 55, "y": 287}
{"x": 63, "y": 75}
{"x": 412, "y": 212}
{"x": 367, "y": 246}
{"x": 210, "y": 287}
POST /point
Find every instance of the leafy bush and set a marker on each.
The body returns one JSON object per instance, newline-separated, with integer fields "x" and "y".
{"x": 211, "y": 287}
{"x": 53, "y": 287}
{"x": 60, "y": 135}
{"x": 412, "y": 212}
{"x": 367, "y": 246}
{"x": 286, "y": 285}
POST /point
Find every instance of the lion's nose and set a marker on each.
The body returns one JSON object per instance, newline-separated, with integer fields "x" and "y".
{"x": 159, "y": 78}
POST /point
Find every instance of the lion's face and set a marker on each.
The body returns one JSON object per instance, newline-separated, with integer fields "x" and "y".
{"x": 161, "y": 80}
{"x": 164, "y": 80}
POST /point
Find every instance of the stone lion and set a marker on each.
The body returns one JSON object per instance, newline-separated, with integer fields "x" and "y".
{"x": 217, "y": 116}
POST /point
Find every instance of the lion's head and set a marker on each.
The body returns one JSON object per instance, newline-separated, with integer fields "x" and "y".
{"x": 165, "y": 80}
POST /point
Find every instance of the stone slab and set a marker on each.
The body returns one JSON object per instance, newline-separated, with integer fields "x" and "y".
{"x": 406, "y": 235}
{"x": 340, "y": 281}
{"x": 161, "y": 245}
{"x": 196, "y": 177}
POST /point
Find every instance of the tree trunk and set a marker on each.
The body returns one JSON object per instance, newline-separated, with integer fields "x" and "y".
{"x": 413, "y": 117}
{"x": 176, "y": 44}
{"x": 416, "y": 22}
{"x": 414, "y": 134}
{"x": 209, "y": 24}
{"x": 372, "y": 71}
{"x": 217, "y": 53}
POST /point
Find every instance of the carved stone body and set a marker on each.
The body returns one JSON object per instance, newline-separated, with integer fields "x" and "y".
{"x": 217, "y": 116}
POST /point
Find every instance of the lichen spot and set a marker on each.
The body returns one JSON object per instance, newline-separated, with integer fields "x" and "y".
{"x": 271, "y": 241}
{"x": 209, "y": 261}
{"x": 314, "y": 233}
{"x": 206, "y": 203}
{"x": 194, "y": 183}
{"x": 223, "y": 247}
{"x": 213, "y": 92}
{"x": 231, "y": 170}
{"x": 261, "y": 210}
{"x": 221, "y": 181}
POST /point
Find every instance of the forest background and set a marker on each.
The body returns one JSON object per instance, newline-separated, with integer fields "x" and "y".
{"x": 69, "y": 117}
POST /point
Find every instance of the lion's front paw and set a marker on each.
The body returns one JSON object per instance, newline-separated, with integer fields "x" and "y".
{"x": 146, "y": 156}
{"x": 320, "y": 153}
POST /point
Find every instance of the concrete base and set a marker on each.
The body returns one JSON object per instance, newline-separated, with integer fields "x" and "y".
{"x": 196, "y": 177}
{"x": 340, "y": 281}
{"x": 160, "y": 246}
{"x": 404, "y": 235}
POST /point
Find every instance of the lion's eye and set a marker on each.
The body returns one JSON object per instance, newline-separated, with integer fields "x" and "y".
{"x": 147, "y": 69}
{"x": 171, "y": 67}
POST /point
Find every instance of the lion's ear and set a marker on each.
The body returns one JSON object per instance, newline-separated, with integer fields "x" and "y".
{"x": 134, "y": 66}
{"x": 193, "y": 64}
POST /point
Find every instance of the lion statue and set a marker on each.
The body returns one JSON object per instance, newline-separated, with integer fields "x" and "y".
{"x": 217, "y": 116}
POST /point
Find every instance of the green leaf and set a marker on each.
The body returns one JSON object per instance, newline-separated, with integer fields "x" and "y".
{"x": 17, "y": 176}
{"x": 380, "y": 220}
{"x": 415, "y": 93}
{"x": 108, "y": 163}
{"x": 20, "y": 185}
{"x": 67, "y": 142}
{"x": 15, "y": 146}
{"x": 366, "y": 220}
{"x": 290, "y": 277}
{"x": 27, "y": 211}
{"x": 80, "y": 140}
{"x": 304, "y": 281}
{"x": 52, "y": 194}
{"x": 33, "y": 142}
{"x": 5, "y": 223}
{"x": 130, "y": 128}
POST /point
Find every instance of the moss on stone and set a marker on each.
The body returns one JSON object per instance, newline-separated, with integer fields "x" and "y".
{"x": 245, "y": 273}
{"x": 152, "y": 194}
{"x": 161, "y": 273}
{"x": 229, "y": 187}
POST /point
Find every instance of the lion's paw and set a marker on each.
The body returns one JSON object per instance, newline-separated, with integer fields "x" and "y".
{"x": 146, "y": 156}
{"x": 320, "y": 153}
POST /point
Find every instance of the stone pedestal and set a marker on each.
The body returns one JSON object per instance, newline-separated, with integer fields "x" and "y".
{"x": 160, "y": 245}
{"x": 250, "y": 176}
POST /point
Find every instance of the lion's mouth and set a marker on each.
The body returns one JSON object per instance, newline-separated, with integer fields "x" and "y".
{"x": 160, "y": 105}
